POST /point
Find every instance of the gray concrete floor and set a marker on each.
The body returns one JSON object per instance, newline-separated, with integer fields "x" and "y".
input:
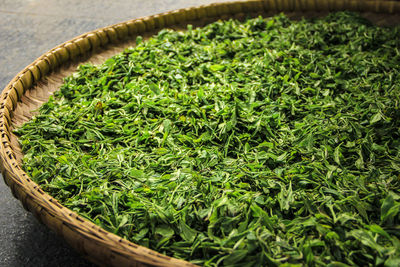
{"x": 29, "y": 28}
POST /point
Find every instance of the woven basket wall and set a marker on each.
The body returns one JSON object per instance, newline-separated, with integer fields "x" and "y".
{"x": 34, "y": 84}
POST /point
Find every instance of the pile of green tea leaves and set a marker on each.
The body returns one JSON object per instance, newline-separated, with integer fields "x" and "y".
{"x": 262, "y": 142}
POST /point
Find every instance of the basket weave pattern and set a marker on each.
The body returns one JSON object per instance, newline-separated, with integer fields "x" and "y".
{"x": 34, "y": 84}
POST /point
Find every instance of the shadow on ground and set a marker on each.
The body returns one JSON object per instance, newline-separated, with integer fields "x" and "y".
{"x": 29, "y": 243}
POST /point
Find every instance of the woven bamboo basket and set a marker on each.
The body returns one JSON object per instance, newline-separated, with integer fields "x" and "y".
{"x": 34, "y": 84}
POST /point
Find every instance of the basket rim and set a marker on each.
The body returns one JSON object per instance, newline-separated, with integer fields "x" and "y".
{"x": 115, "y": 250}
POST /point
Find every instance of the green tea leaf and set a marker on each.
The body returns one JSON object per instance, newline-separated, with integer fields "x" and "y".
{"x": 389, "y": 209}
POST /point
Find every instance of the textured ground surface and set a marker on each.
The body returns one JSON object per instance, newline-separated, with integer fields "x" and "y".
{"x": 28, "y": 28}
